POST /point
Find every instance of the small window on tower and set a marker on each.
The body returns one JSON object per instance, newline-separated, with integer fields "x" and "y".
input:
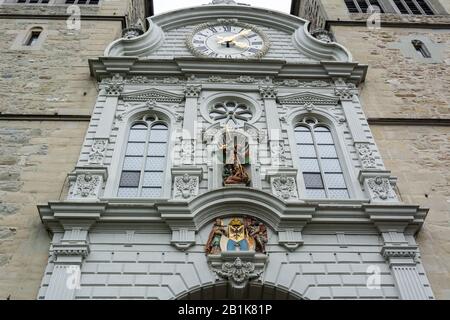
{"x": 33, "y": 37}
{"x": 421, "y": 48}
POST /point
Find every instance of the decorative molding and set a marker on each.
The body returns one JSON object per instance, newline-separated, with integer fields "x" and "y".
{"x": 293, "y": 83}
{"x": 192, "y": 91}
{"x": 187, "y": 151}
{"x": 69, "y": 250}
{"x": 239, "y": 273}
{"x": 307, "y": 98}
{"x": 268, "y": 92}
{"x": 380, "y": 189}
{"x": 114, "y": 89}
{"x": 239, "y": 268}
{"x": 133, "y": 32}
{"x": 86, "y": 186}
{"x": 186, "y": 182}
{"x": 153, "y": 94}
{"x": 86, "y": 183}
{"x": 389, "y": 251}
{"x": 344, "y": 94}
{"x": 366, "y": 156}
{"x": 98, "y": 151}
{"x": 323, "y": 35}
{"x": 278, "y": 153}
{"x": 186, "y": 187}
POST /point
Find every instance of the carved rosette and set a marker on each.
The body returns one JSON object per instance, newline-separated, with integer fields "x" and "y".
{"x": 399, "y": 252}
{"x": 186, "y": 187}
{"x": 284, "y": 188}
{"x": 380, "y": 189}
{"x": 268, "y": 92}
{"x": 366, "y": 156}
{"x": 239, "y": 273}
{"x": 86, "y": 186}
{"x": 192, "y": 91}
{"x": 98, "y": 151}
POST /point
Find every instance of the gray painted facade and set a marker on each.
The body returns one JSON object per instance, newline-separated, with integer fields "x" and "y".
{"x": 110, "y": 247}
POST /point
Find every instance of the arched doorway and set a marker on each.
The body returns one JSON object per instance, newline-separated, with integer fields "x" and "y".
{"x": 254, "y": 291}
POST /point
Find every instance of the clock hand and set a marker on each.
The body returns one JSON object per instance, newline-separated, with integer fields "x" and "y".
{"x": 231, "y": 38}
{"x": 240, "y": 45}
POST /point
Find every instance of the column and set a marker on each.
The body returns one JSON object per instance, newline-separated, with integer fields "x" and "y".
{"x": 401, "y": 258}
{"x": 68, "y": 256}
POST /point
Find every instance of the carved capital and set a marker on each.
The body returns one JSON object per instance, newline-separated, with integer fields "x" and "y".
{"x": 186, "y": 187}
{"x": 192, "y": 91}
{"x": 380, "y": 189}
{"x": 86, "y": 183}
{"x": 284, "y": 188}
{"x": 268, "y": 92}
{"x": 98, "y": 151}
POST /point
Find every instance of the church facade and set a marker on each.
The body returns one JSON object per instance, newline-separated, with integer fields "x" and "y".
{"x": 228, "y": 156}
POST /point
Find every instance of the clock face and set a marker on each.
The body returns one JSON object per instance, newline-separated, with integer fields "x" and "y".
{"x": 228, "y": 41}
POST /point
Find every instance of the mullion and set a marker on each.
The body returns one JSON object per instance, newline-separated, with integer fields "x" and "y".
{"x": 322, "y": 174}
{"x": 144, "y": 162}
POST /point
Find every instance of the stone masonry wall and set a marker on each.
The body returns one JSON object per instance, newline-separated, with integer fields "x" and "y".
{"x": 402, "y": 87}
{"x": 35, "y": 158}
{"x": 55, "y": 77}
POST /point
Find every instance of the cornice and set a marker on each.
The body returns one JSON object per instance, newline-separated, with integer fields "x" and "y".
{"x": 106, "y": 67}
{"x": 196, "y": 213}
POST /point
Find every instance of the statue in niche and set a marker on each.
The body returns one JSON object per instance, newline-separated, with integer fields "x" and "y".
{"x": 241, "y": 234}
{"x": 258, "y": 232}
{"x": 214, "y": 240}
{"x": 236, "y": 157}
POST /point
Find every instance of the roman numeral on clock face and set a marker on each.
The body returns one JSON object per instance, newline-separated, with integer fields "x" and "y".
{"x": 213, "y": 29}
{"x": 227, "y": 28}
{"x": 253, "y": 50}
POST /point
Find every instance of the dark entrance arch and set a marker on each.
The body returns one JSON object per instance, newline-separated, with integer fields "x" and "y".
{"x": 254, "y": 291}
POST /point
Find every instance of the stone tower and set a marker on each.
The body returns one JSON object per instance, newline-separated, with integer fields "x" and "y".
{"x": 406, "y": 99}
{"x": 46, "y": 102}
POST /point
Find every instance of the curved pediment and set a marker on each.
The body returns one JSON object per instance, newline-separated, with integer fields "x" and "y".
{"x": 153, "y": 95}
{"x": 167, "y": 34}
{"x": 308, "y": 98}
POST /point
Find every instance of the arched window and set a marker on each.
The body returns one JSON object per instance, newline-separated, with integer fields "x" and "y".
{"x": 421, "y": 48}
{"x": 319, "y": 162}
{"x": 33, "y": 36}
{"x": 145, "y": 159}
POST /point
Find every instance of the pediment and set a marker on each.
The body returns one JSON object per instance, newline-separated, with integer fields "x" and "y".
{"x": 153, "y": 95}
{"x": 309, "y": 98}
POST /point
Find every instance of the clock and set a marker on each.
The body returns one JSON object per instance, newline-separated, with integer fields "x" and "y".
{"x": 228, "y": 39}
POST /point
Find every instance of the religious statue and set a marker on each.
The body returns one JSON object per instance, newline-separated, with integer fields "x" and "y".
{"x": 234, "y": 168}
{"x": 214, "y": 240}
{"x": 258, "y": 232}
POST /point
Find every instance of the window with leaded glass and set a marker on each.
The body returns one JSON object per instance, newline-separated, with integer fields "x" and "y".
{"x": 144, "y": 164}
{"x": 319, "y": 162}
